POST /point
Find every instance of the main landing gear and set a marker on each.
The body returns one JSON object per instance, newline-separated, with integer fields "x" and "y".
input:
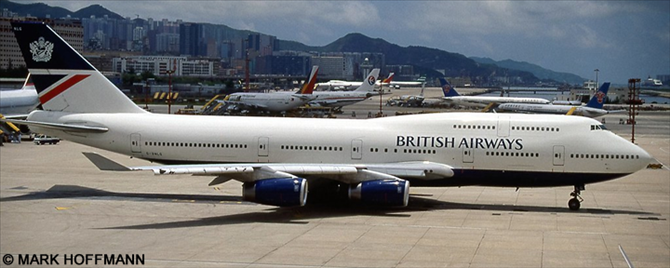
{"x": 575, "y": 202}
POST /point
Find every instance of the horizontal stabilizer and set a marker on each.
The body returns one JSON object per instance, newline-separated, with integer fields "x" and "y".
{"x": 104, "y": 163}
{"x": 58, "y": 126}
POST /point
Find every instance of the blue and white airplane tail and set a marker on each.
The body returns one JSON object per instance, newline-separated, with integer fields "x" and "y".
{"x": 599, "y": 98}
{"x": 64, "y": 80}
{"x": 368, "y": 84}
{"x": 447, "y": 89}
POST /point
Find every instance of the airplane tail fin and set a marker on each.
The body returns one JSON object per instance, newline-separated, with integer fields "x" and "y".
{"x": 64, "y": 80}
{"x": 598, "y": 99}
{"x": 368, "y": 84}
{"x": 308, "y": 87}
{"x": 388, "y": 79}
{"x": 447, "y": 89}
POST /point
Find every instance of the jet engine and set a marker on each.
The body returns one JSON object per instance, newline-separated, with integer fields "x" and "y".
{"x": 381, "y": 192}
{"x": 283, "y": 192}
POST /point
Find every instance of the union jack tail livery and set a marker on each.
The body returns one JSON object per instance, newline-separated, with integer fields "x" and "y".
{"x": 64, "y": 80}
{"x": 600, "y": 97}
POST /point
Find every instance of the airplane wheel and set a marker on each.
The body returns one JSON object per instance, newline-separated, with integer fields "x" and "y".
{"x": 574, "y": 204}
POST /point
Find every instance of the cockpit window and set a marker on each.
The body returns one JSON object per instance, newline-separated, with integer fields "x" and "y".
{"x": 598, "y": 127}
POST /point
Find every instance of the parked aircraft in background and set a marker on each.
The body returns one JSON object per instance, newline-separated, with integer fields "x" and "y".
{"x": 276, "y": 101}
{"x": 343, "y": 98}
{"x": 20, "y": 102}
{"x": 388, "y": 82}
{"x": 337, "y": 85}
{"x": 371, "y": 160}
{"x": 566, "y": 102}
{"x": 398, "y": 84}
{"x": 593, "y": 108}
{"x": 452, "y": 97}
{"x": 408, "y": 100}
{"x": 341, "y": 85}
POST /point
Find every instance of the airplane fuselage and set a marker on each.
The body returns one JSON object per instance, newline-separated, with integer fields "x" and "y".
{"x": 20, "y": 101}
{"x": 275, "y": 102}
{"x": 483, "y": 149}
{"x": 552, "y": 109}
{"x": 339, "y": 98}
{"x": 483, "y": 101}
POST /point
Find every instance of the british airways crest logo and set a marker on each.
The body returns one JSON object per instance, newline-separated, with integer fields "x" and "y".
{"x": 371, "y": 80}
{"x": 41, "y": 50}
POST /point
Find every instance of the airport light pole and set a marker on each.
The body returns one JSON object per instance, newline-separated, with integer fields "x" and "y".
{"x": 596, "y": 70}
{"x": 381, "y": 91}
{"x": 169, "y": 96}
{"x": 146, "y": 94}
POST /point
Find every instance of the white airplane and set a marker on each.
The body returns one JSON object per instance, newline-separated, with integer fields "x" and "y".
{"x": 343, "y": 98}
{"x": 593, "y": 108}
{"x": 373, "y": 160}
{"x": 452, "y": 97}
{"x": 276, "y": 101}
{"x": 398, "y": 84}
{"x": 408, "y": 100}
{"x": 343, "y": 85}
{"x": 566, "y": 102}
{"x": 18, "y": 103}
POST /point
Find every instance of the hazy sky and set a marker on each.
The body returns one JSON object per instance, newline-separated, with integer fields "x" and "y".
{"x": 623, "y": 39}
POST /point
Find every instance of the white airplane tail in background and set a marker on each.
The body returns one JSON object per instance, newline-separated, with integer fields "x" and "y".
{"x": 369, "y": 84}
{"x": 64, "y": 80}
{"x": 599, "y": 98}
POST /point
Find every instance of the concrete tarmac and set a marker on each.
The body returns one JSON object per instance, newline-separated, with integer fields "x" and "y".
{"x": 54, "y": 201}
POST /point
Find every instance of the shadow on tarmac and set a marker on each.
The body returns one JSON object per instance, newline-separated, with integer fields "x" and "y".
{"x": 294, "y": 215}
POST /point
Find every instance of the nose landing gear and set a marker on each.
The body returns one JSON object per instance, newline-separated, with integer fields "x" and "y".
{"x": 575, "y": 202}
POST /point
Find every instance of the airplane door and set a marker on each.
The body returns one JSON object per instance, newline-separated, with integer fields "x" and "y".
{"x": 356, "y": 149}
{"x": 263, "y": 143}
{"x": 503, "y": 125}
{"x": 468, "y": 155}
{"x": 559, "y": 155}
{"x": 135, "y": 146}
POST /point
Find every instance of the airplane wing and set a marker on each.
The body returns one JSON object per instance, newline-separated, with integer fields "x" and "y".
{"x": 243, "y": 104}
{"x": 305, "y": 97}
{"x": 248, "y": 172}
{"x": 323, "y": 102}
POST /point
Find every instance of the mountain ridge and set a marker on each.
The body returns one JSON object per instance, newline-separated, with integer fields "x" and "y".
{"x": 42, "y": 10}
{"x": 539, "y": 71}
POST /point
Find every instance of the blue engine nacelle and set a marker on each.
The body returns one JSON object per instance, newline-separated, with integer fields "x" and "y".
{"x": 381, "y": 192}
{"x": 283, "y": 192}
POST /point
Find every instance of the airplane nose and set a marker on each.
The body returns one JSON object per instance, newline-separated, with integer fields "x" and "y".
{"x": 645, "y": 158}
